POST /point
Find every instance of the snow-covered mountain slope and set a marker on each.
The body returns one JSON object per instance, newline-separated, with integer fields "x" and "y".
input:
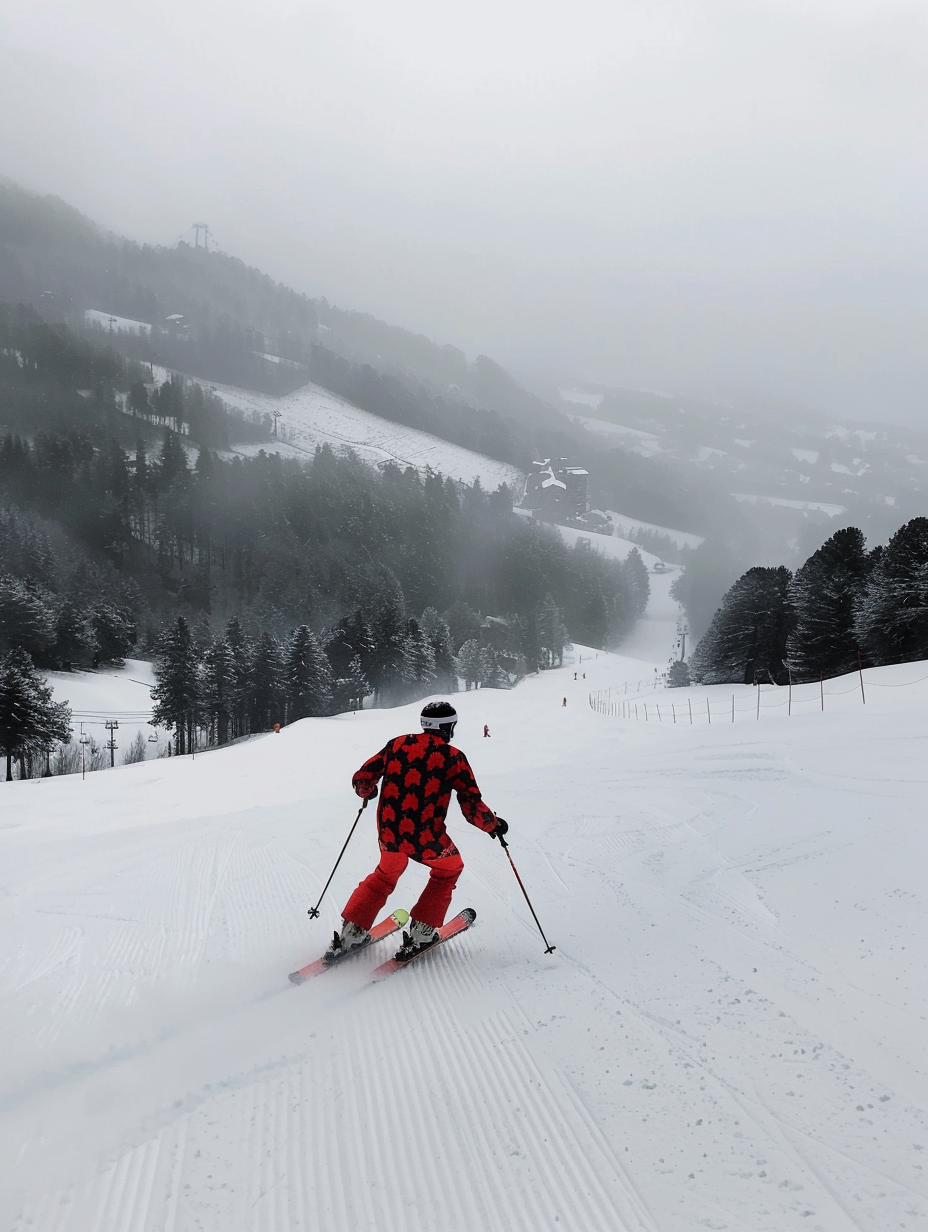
{"x": 313, "y": 416}
{"x": 796, "y": 460}
{"x": 680, "y": 538}
{"x": 730, "y": 1035}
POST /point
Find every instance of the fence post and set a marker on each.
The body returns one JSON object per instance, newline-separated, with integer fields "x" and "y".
{"x": 645, "y": 704}
{"x": 821, "y": 687}
{"x": 689, "y": 702}
{"x": 733, "y": 707}
{"x": 758, "y": 699}
{"x": 658, "y": 712}
{"x": 860, "y": 668}
{"x": 673, "y": 711}
{"x": 636, "y": 712}
{"x": 708, "y": 712}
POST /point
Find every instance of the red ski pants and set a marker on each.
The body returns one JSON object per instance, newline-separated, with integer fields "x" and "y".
{"x": 368, "y": 899}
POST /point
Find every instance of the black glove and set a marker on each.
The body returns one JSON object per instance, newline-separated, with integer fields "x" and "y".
{"x": 502, "y": 828}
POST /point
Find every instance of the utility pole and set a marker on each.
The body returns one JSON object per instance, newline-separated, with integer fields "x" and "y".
{"x": 198, "y": 227}
{"x": 83, "y": 742}
{"x": 111, "y": 744}
{"x": 276, "y": 414}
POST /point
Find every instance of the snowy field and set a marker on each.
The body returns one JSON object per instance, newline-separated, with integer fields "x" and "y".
{"x": 819, "y": 506}
{"x": 120, "y": 693}
{"x": 115, "y": 325}
{"x": 313, "y": 416}
{"x": 610, "y": 546}
{"x": 731, "y": 1034}
{"x": 645, "y": 443}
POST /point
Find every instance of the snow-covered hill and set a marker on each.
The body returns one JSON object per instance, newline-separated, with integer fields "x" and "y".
{"x": 793, "y": 460}
{"x": 122, "y": 694}
{"x": 313, "y": 416}
{"x": 730, "y": 1035}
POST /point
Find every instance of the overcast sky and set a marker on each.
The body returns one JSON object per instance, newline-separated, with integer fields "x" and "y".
{"x": 701, "y": 197}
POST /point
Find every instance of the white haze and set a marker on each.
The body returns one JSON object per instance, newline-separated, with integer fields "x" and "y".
{"x": 716, "y": 197}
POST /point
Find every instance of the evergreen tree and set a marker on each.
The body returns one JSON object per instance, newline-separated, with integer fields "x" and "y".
{"x": 26, "y": 620}
{"x": 31, "y": 722}
{"x": 347, "y": 641}
{"x": 552, "y": 634}
{"x": 679, "y": 676}
{"x": 463, "y": 622}
{"x": 75, "y": 641}
{"x": 420, "y": 659}
{"x": 178, "y": 693}
{"x": 469, "y": 664}
{"x": 389, "y": 664}
{"x": 241, "y": 649}
{"x": 307, "y": 676}
{"x": 350, "y": 690}
{"x": 114, "y": 632}
{"x": 636, "y": 574}
{"x": 435, "y": 628}
{"x": 266, "y": 697}
{"x": 892, "y": 620}
{"x": 746, "y": 641}
{"x": 491, "y": 673}
{"x": 219, "y": 683}
{"x": 824, "y": 595}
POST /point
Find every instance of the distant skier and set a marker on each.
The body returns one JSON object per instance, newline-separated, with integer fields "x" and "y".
{"x": 486, "y": 730}
{"x": 419, "y": 773}
{"x": 564, "y": 702}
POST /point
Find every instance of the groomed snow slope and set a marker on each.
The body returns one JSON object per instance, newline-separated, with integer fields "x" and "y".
{"x": 730, "y": 1035}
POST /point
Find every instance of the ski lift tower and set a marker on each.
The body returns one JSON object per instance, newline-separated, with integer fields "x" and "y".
{"x": 111, "y": 725}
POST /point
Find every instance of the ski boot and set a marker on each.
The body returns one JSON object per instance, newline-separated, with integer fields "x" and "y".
{"x": 419, "y": 937}
{"x": 350, "y": 938}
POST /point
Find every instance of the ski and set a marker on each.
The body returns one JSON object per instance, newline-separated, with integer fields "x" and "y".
{"x": 392, "y": 924}
{"x": 445, "y": 933}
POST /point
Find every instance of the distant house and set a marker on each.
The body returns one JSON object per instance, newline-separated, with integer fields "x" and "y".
{"x": 556, "y": 490}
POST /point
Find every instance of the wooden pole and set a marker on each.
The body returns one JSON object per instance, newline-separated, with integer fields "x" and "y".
{"x": 860, "y": 668}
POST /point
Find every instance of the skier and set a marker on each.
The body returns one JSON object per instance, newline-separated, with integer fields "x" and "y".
{"x": 419, "y": 773}
{"x": 486, "y": 730}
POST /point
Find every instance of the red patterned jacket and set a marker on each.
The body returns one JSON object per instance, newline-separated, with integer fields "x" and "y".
{"x": 419, "y": 773}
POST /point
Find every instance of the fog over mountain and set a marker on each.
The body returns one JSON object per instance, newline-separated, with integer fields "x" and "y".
{"x": 721, "y": 199}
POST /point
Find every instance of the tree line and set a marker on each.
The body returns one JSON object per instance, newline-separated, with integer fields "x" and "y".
{"x": 847, "y": 606}
{"x": 115, "y": 521}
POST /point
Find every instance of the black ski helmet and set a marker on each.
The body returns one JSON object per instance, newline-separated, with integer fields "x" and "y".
{"x": 439, "y": 717}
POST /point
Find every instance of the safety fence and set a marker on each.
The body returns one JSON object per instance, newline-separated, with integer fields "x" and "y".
{"x": 625, "y": 702}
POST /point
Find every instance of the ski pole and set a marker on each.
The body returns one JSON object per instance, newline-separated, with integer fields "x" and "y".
{"x": 505, "y": 847}
{"x": 313, "y": 912}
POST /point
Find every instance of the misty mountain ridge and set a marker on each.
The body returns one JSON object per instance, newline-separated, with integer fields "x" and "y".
{"x": 801, "y": 459}
{"x": 54, "y": 258}
{"x": 673, "y": 461}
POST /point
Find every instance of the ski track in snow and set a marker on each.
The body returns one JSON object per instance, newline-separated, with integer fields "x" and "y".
{"x": 729, "y": 1036}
